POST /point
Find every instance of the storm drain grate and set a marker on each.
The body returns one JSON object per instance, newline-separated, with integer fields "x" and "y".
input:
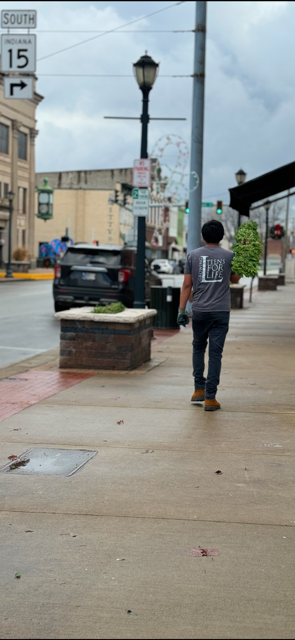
{"x": 55, "y": 462}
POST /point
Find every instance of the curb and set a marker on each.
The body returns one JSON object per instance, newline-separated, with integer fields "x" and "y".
{"x": 27, "y": 276}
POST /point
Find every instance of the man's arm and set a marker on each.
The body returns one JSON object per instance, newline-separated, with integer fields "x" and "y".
{"x": 186, "y": 290}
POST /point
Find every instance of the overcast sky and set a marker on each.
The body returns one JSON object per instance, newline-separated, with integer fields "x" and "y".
{"x": 250, "y": 88}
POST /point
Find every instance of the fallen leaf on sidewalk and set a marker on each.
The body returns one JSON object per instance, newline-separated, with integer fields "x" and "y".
{"x": 29, "y": 531}
{"x": 120, "y": 421}
{"x": 17, "y": 575}
{"x": 200, "y": 552}
{"x": 17, "y": 462}
{"x": 148, "y": 451}
{"x": 219, "y": 473}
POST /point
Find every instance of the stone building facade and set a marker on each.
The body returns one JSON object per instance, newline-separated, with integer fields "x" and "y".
{"x": 17, "y": 170}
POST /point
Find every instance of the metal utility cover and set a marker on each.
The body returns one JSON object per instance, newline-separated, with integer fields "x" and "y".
{"x": 56, "y": 462}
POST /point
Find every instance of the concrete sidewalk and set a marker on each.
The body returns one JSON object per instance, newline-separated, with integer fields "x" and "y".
{"x": 117, "y": 535}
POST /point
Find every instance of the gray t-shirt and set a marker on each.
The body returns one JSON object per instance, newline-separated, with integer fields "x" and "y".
{"x": 210, "y": 268}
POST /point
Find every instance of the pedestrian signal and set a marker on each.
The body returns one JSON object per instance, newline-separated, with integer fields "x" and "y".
{"x": 219, "y": 207}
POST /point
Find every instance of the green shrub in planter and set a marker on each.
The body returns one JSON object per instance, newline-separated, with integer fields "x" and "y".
{"x": 247, "y": 250}
{"x": 114, "y": 307}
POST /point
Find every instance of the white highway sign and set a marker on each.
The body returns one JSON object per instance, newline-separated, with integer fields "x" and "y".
{"x": 141, "y": 173}
{"x": 18, "y": 19}
{"x": 18, "y": 53}
{"x": 19, "y": 88}
{"x": 140, "y": 203}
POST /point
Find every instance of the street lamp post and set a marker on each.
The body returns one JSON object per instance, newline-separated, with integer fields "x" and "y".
{"x": 267, "y": 207}
{"x": 9, "y": 273}
{"x": 145, "y": 71}
{"x": 240, "y": 178}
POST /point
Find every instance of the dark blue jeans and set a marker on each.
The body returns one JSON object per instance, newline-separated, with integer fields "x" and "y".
{"x": 212, "y": 325}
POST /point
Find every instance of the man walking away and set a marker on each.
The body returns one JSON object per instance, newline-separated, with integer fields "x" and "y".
{"x": 208, "y": 272}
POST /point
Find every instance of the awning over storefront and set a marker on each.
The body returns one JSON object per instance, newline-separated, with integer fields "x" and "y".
{"x": 243, "y": 196}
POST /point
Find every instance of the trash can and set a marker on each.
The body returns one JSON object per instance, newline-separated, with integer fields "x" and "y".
{"x": 166, "y": 301}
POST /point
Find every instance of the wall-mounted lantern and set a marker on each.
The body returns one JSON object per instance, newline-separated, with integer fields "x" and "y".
{"x": 45, "y": 201}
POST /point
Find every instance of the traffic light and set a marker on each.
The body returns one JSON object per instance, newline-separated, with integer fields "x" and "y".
{"x": 186, "y": 206}
{"x": 117, "y": 193}
{"x": 125, "y": 196}
{"x": 219, "y": 207}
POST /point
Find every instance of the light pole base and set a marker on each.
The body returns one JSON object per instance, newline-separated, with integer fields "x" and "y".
{"x": 9, "y": 273}
{"x": 138, "y": 304}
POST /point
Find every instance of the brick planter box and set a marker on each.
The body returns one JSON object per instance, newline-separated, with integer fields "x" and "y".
{"x": 20, "y": 266}
{"x": 104, "y": 341}
{"x": 237, "y": 296}
{"x": 281, "y": 280}
{"x": 267, "y": 283}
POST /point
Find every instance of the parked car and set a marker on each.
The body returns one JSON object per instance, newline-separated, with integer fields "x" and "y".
{"x": 181, "y": 264}
{"x": 162, "y": 266}
{"x": 98, "y": 275}
{"x": 175, "y": 266}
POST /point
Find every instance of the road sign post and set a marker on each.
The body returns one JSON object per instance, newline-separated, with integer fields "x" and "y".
{"x": 18, "y": 54}
{"x": 19, "y": 19}
{"x": 140, "y": 202}
{"x": 142, "y": 173}
{"x": 18, "y": 88}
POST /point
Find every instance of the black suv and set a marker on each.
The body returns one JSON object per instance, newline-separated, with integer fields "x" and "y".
{"x": 90, "y": 275}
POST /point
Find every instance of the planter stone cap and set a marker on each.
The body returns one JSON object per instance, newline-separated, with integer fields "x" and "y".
{"x": 237, "y": 286}
{"x": 270, "y": 277}
{"x": 129, "y": 316}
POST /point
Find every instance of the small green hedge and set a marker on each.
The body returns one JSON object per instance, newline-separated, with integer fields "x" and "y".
{"x": 114, "y": 307}
{"x": 247, "y": 250}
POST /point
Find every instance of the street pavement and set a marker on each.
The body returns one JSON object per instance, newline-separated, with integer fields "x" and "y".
{"x": 114, "y": 550}
{"x": 27, "y": 322}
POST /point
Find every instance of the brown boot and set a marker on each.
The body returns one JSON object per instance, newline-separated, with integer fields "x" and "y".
{"x": 211, "y": 404}
{"x": 198, "y": 395}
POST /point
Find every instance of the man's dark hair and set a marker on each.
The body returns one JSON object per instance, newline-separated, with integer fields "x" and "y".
{"x": 213, "y": 231}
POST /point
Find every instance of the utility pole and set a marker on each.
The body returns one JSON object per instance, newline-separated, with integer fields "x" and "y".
{"x": 286, "y": 231}
{"x": 196, "y": 161}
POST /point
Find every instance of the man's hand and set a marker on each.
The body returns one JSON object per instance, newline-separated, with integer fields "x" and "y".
{"x": 182, "y": 317}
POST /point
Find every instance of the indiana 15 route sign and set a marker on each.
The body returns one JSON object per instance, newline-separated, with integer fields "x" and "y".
{"x": 18, "y": 53}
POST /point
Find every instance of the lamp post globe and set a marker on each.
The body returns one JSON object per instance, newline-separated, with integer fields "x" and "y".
{"x": 240, "y": 176}
{"x": 145, "y": 71}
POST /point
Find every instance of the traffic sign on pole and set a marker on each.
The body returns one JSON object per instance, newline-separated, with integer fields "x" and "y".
{"x": 140, "y": 203}
{"x": 18, "y": 88}
{"x": 19, "y": 19}
{"x": 18, "y": 53}
{"x": 142, "y": 173}
{"x": 207, "y": 204}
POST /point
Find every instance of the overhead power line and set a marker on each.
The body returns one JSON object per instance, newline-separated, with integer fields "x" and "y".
{"x": 100, "y": 35}
{"x": 128, "y": 31}
{"x": 102, "y": 75}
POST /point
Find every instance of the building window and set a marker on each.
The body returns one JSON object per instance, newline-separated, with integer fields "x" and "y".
{"x": 22, "y": 145}
{"x": 3, "y": 138}
{"x": 22, "y": 200}
{"x": 24, "y": 237}
{"x": 5, "y": 190}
